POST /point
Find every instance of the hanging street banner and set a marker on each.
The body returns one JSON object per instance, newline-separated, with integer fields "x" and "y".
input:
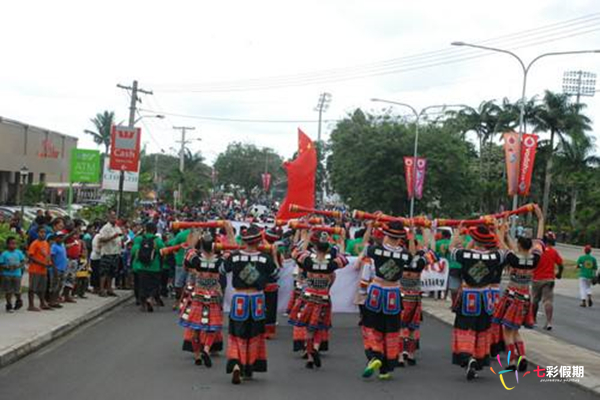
{"x": 266, "y": 181}
{"x": 511, "y": 153}
{"x": 85, "y": 166}
{"x": 420, "y": 184}
{"x": 110, "y": 179}
{"x": 528, "y": 150}
{"x": 125, "y": 148}
{"x": 409, "y": 172}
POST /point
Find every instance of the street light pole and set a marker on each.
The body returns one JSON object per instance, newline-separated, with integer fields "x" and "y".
{"x": 183, "y": 129}
{"x": 525, "y": 69}
{"x": 23, "y": 173}
{"x": 418, "y": 115}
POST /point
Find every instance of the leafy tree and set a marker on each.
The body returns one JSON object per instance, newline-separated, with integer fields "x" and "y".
{"x": 102, "y": 123}
{"x": 366, "y": 167}
{"x": 561, "y": 118}
{"x": 241, "y": 165}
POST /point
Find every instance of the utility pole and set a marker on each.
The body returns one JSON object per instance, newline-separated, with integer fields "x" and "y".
{"x": 132, "y": 109}
{"x": 183, "y": 129}
{"x": 322, "y": 106}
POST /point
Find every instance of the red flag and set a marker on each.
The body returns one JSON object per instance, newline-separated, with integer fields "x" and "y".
{"x": 528, "y": 149}
{"x": 511, "y": 151}
{"x": 409, "y": 170}
{"x": 301, "y": 178}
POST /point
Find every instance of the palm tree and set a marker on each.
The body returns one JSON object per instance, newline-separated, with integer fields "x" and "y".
{"x": 574, "y": 161}
{"x": 103, "y": 123}
{"x": 563, "y": 119}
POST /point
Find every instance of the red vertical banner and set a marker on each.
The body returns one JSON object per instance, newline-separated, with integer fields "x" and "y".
{"x": 409, "y": 170}
{"x": 528, "y": 150}
{"x": 511, "y": 152}
{"x": 420, "y": 178}
{"x": 266, "y": 181}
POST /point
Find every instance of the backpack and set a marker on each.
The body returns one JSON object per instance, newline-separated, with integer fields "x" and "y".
{"x": 147, "y": 252}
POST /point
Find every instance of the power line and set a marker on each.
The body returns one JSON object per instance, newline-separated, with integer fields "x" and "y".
{"x": 403, "y": 64}
{"x": 243, "y": 120}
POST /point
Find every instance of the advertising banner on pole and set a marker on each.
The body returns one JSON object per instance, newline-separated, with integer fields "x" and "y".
{"x": 85, "y": 166}
{"x": 266, "y": 181}
{"x": 125, "y": 148}
{"x": 408, "y": 174}
{"x": 420, "y": 183}
{"x": 511, "y": 153}
{"x": 110, "y": 179}
{"x": 528, "y": 150}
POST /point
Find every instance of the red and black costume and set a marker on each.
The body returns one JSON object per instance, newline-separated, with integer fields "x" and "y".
{"x": 515, "y": 308}
{"x": 203, "y": 311}
{"x": 312, "y": 310}
{"x": 381, "y": 321}
{"x": 412, "y": 309}
{"x": 474, "y": 306}
{"x": 272, "y": 287}
{"x": 246, "y": 348}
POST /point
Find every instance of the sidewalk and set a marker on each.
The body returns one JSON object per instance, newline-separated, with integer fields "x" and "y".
{"x": 543, "y": 350}
{"x": 24, "y": 332}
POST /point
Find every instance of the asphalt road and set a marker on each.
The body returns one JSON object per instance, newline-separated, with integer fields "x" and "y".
{"x": 129, "y": 355}
{"x": 574, "y": 324}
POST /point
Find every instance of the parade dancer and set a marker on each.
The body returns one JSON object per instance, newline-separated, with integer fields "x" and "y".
{"x": 313, "y": 307}
{"x": 383, "y": 304}
{"x": 203, "y": 313}
{"x": 411, "y": 316}
{"x": 515, "y": 308}
{"x": 251, "y": 270}
{"x": 474, "y": 306}
{"x": 272, "y": 237}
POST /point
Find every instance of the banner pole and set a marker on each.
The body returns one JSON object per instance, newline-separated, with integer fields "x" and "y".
{"x": 70, "y": 200}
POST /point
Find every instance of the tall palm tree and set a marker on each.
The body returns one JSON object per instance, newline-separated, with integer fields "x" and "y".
{"x": 103, "y": 123}
{"x": 563, "y": 119}
{"x": 573, "y": 162}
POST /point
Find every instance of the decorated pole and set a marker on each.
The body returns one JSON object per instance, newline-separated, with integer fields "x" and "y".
{"x": 325, "y": 213}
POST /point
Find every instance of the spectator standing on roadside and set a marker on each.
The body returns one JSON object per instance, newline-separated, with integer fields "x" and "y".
{"x": 95, "y": 257}
{"x": 12, "y": 263}
{"x": 110, "y": 239}
{"x": 543, "y": 279}
{"x": 59, "y": 268}
{"x": 146, "y": 263}
{"x": 74, "y": 246}
{"x": 39, "y": 262}
{"x": 587, "y": 266}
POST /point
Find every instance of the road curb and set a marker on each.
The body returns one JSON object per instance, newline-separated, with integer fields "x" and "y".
{"x": 591, "y": 384}
{"x": 23, "y": 349}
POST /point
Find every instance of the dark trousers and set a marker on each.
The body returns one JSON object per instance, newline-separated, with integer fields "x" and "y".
{"x": 136, "y": 286}
{"x": 95, "y": 280}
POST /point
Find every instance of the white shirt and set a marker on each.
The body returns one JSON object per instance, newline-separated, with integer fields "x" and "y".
{"x": 111, "y": 247}
{"x": 96, "y": 248}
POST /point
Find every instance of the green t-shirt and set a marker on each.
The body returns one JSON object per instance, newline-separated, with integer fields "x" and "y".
{"x": 354, "y": 246}
{"x": 442, "y": 248}
{"x": 137, "y": 264}
{"x": 587, "y": 265}
{"x": 180, "y": 238}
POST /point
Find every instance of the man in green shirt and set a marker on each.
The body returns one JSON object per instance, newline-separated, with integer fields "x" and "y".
{"x": 181, "y": 274}
{"x": 587, "y": 272}
{"x": 147, "y": 264}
